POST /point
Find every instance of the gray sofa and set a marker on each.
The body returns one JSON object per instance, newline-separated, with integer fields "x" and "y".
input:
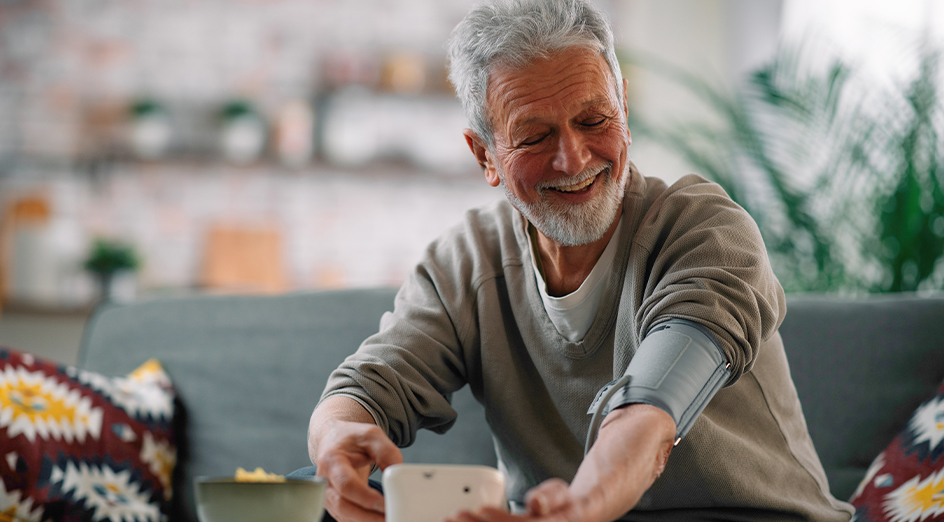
{"x": 249, "y": 371}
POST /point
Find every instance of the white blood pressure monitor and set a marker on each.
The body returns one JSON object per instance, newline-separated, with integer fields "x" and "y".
{"x": 433, "y": 492}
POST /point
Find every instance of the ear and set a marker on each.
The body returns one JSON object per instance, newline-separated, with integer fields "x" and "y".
{"x": 629, "y": 135}
{"x": 484, "y": 156}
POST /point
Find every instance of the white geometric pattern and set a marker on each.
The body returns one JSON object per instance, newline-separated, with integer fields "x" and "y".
{"x": 11, "y": 459}
{"x": 112, "y": 495}
{"x": 927, "y": 423}
{"x": 33, "y": 404}
{"x": 15, "y": 508}
{"x": 160, "y": 458}
{"x": 916, "y": 500}
{"x": 141, "y": 398}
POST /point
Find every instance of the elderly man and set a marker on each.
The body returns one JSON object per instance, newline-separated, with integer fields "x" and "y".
{"x": 592, "y": 289}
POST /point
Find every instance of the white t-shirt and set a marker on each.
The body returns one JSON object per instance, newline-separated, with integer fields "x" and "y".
{"x": 573, "y": 313}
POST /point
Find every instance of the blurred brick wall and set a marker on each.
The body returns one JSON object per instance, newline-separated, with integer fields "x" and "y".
{"x": 61, "y": 59}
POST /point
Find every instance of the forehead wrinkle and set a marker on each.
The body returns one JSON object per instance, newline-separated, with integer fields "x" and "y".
{"x": 521, "y": 85}
{"x": 535, "y": 115}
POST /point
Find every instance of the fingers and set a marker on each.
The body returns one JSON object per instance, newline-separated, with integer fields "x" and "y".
{"x": 345, "y": 511}
{"x": 382, "y": 450}
{"x": 550, "y": 501}
{"x": 485, "y": 515}
{"x": 349, "y": 484}
{"x": 345, "y": 456}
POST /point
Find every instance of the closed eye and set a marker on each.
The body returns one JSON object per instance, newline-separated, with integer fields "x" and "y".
{"x": 594, "y": 122}
{"x": 533, "y": 140}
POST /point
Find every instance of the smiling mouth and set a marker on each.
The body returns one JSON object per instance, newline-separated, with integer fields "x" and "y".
{"x": 578, "y": 187}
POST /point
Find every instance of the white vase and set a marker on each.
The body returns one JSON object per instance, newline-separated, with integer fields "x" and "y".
{"x": 243, "y": 139}
{"x": 120, "y": 286}
{"x": 151, "y": 135}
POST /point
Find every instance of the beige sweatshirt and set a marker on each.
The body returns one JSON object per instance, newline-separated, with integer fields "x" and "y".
{"x": 471, "y": 314}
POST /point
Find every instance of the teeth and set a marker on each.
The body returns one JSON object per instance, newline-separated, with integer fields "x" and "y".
{"x": 579, "y": 186}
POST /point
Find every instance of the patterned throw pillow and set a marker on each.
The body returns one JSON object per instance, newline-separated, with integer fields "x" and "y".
{"x": 78, "y": 446}
{"x": 906, "y": 481}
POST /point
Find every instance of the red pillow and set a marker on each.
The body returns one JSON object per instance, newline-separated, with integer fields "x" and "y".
{"x": 79, "y": 446}
{"x": 906, "y": 481}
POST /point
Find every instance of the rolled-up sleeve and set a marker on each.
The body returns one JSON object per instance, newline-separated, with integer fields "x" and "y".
{"x": 708, "y": 264}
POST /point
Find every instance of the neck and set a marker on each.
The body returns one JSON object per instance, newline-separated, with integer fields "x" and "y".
{"x": 567, "y": 267}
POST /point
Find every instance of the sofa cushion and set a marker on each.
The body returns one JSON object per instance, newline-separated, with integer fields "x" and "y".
{"x": 906, "y": 481}
{"x": 77, "y": 446}
{"x": 860, "y": 367}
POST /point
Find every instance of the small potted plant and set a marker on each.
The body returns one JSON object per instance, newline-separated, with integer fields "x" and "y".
{"x": 114, "y": 264}
{"x": 242, "y": 132}
{"x": 151, "y": 129}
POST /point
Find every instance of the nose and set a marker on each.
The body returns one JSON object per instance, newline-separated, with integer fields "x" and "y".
{"x": 572, "y": 154}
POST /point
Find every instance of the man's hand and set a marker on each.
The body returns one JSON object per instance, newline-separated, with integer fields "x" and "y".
{"x": 344, "y": 443}
{"x": 629, "y": 455}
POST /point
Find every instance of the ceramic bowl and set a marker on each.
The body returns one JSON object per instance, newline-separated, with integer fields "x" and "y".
{"x": 226, "y": 500}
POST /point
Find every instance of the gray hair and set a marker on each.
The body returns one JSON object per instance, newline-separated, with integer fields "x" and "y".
{"x": 516, "y": 33}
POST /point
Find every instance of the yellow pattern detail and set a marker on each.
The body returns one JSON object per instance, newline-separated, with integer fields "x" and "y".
{"x": 165, "y": 466}
{"x": 146, "y": 371}
{"x": 917, "y": 500}
{"x": 9, "y": 515}
{"x": 32, "y": 401}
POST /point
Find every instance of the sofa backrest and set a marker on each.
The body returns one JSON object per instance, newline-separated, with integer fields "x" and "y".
{"x": 861, "y": 367}
{"x": 249, "y": 370}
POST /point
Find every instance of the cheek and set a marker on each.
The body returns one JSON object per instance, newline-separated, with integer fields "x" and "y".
{"x": 525, "y": 170}
{"x": 614, "y": 145}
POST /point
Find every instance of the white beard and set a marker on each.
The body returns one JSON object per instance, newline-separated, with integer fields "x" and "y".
{"x": 574, "y": 224}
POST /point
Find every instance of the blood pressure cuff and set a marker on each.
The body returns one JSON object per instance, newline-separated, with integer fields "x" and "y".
{"x": 678, "y": 367}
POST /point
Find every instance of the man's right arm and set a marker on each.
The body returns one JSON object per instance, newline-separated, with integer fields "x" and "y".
{"x": 345, "y": 444}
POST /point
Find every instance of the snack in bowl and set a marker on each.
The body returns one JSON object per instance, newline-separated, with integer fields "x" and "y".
{"x": 258, "y": 496}
{"x": 258, "y": 475}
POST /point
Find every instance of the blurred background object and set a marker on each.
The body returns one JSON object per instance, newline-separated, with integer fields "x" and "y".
{"x": 27, "y": 252}
{"x": 40, "y": 255}
{"x": 114, "y": 265}
{"x": 244, "y": 260}
{"x": 150, "y": 128}
{"x": 839, "y": 158}
{"x": 186, "y": 128}
{"x": 242, "y": 132}
{"x": 295, "y": 130}
{"x": 306, "y": 144}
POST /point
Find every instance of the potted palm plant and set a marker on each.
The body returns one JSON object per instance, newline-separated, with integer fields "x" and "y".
{"x": 844, "y": 178}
